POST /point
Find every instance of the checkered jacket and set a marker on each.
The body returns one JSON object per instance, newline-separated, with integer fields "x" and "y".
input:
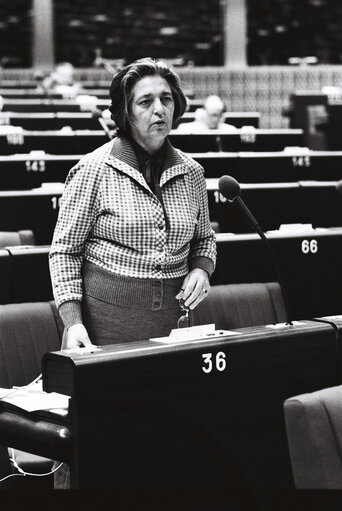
{"x": 109, "y": 216}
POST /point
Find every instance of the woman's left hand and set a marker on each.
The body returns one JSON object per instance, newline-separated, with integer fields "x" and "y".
{"x": 195, "y": 288}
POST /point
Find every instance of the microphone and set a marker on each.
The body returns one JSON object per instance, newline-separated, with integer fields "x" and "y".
{"x": 101, "y": 62}
{"x": 108, "y": 67}
{"x": 97, "y": 114}
{"x": 230, "y": 189}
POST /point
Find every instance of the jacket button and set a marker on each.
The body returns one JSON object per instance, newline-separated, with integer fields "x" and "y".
{"x": 160, "y": 226}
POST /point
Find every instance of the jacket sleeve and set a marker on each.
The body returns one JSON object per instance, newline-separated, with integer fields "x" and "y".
{"x": 203, "y": 246}
{"x": 77, "y": 214}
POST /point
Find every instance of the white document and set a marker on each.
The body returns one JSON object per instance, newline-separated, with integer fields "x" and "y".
{"x": 32, "y": 398}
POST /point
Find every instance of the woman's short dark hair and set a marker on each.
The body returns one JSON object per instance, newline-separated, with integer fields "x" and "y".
{"x": 122, "y": 86}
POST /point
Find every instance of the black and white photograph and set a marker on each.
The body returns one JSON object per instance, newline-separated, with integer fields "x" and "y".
{"x": 171, "y": 255}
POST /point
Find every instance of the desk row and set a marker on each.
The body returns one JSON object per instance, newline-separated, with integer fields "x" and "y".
{"x": 55, "y": 103}
{"x": 87, "y": 121}
{"x": 309, "y": 260}
{"x": 316, "y": 203}
{"x": 210, "y": 410}
{"x": 14, "y": 139}
{"x": 26, "y": 171}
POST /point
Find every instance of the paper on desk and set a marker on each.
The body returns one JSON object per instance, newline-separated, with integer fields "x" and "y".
{"x": 197, "y": 333}
{"x": 32, "y": 399}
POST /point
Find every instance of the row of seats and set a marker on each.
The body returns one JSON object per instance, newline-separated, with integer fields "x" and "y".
{"x": 309, "y": 261}
{"x": 31, "y": 170}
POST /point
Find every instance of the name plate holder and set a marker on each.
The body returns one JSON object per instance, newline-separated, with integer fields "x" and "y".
{"x": 192, "y": 333}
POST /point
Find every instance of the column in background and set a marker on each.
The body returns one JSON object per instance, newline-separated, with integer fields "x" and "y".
{"x": 235, "y": 32}
{"x": 43, "y": 53}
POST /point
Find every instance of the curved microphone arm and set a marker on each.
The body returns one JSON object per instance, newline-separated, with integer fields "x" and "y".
{"x": 230, "y": 189}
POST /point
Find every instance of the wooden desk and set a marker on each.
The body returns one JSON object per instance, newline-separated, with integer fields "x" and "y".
{"x": 197, "y": 414}
{"x": 35, "y": 209}
{"x": 309, "y": 261}
{"x": 83, "y": 141}
{"x": 308, "y": 202}
{"x": 29, "y": 170}
{"x": 241, "y": 140}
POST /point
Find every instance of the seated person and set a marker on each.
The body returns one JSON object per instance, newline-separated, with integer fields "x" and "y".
{"x": 62, "y": 81}
{"x": 210, "y": 117}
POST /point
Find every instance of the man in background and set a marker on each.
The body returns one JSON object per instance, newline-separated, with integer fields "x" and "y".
{"x": 210, "y": 117}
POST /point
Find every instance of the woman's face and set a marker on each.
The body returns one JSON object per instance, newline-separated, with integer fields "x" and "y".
{"x": 151, "y": 113}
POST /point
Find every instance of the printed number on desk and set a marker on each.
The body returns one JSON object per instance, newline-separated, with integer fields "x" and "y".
{"x": 35, "y": 165}
{"x": 55, "y": 202}
{"x": 219, "y": 197}
{"x": 15, "y": 138}
{"x": 210, "y": 364}
{"x": 309, "y": 246}
{"x": 301, "y": 161}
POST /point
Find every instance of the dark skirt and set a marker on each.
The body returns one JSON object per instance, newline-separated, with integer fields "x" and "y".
{"x": 117, "y": 309}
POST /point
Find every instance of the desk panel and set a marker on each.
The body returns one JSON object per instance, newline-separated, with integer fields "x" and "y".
{"x": 30, "y": 170}
{"x": 284, "y": 166}
{"x": 50, "y": 120}
{"x": 274, "y": 204}
{"x": 53, "y": 142}
{"x": 27, "y": 171}
{"x": 309, "y": 261}
{"x": 25, "y": 274}
{"x": 241, "y": 140}
{"x": 273, "y": 166}
{"x": 163, "y": 412}
{"x": 85, "y": 120}
{"x": 19, "y": 93}
{"x": 50, "y": 105}
{"x": 32, "y": 209}
{"x": 237, "y": 119}
{"x": 319, "y": 204}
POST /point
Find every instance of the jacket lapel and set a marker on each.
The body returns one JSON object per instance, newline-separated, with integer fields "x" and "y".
{"x": 122, "y": 157}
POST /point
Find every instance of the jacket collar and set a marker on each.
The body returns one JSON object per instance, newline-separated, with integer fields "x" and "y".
{"x": 123, "y": 158}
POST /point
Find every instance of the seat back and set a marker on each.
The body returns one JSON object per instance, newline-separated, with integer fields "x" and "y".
{"x": 242, "y": 305}
{"x": 10, "y": 238}
{"x": 314, "y": 432}
{"x": 27, "y": 331}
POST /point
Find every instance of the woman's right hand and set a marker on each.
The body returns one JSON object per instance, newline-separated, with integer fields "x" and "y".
{"x": 75, "y": 337}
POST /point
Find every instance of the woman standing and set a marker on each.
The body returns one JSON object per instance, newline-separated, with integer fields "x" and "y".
{"x": 133, "y": 234}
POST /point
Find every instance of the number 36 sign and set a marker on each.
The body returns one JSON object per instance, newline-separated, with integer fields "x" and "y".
{"x": 213, "y": 362}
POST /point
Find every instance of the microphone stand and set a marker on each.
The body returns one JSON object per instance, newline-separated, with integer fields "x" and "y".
{"x": 105, "y": 128}
{"x": 97, "y": 114}
{"x": 258, "y": 229}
